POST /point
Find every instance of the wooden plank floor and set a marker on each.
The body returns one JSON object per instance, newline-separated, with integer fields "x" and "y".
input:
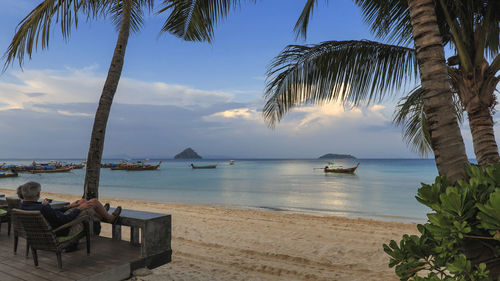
{"x": 108, "y": 260}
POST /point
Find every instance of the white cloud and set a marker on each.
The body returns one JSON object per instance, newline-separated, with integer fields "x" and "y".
{"x": 307, "y": 120}
{"x": 78, "y": 114}
{"x": 237, "y": 113}
{"x": 85, "y": 85}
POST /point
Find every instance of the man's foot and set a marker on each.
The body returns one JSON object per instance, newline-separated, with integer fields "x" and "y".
{"x": 116, "y": 214}
{"x": 106, "y": 206}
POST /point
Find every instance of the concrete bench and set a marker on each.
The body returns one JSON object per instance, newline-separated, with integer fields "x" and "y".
{"x": 155, "y": 234}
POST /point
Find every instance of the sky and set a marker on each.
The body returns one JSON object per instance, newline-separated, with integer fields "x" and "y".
{"x": 175, "y": 94}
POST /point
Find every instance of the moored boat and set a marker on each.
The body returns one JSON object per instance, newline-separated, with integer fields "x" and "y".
{"x": 136, "y": 167}
{"x": 8, "y": 175}
{"x": 204, "y": 167}
{"x": 333, "y": 169}
{"x": 77, "y": 166}
{"x": 52, "y": 170}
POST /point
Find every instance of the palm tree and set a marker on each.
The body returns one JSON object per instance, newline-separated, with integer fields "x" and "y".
{"x": 472, "y": 29}
{"x": 355, "y": 71}
{"x": 128, "y": 16}
{"x": 444, "y": 132}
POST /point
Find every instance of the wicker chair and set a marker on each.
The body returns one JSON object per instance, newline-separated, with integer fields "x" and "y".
{"x": 4, "y": 217}
{"x": 13, "y": 203}
{"x": 41, "y": 236}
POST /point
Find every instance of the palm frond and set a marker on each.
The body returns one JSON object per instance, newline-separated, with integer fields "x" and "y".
{"x": 409, "y": 114}
{"x": 390, "y": 20}
{"x": 36, "y": 27}
{"x": 136, "y": 15}
{"x": 495, "y": 64}
{"x": 195, "y": 20}
{"x": 303, "y": 21}
{"x": 345, "y": 71}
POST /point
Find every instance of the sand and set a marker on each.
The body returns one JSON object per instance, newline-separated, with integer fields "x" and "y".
{"x": 223, "y": 243}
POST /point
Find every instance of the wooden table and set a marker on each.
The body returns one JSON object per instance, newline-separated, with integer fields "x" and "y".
{"x": 155, "y": 234}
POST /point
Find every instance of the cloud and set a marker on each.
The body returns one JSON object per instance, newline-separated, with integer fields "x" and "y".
{"x": 34, "y": 95}
{"x": 78, "y": 114}
{"x": 49, "y": 114}
{"x": 237, "y": 113}
{"x": 43, "y": 87}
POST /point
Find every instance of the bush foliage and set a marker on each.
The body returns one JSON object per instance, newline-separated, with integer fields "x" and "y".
{"x": 461, "y": 239}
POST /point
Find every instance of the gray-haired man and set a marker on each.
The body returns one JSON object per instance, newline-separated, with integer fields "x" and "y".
{"x": 60, "y": 216}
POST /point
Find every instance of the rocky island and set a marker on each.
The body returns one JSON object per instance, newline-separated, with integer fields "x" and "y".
{"x": 188, "y": 153}
{"x": 337, "y": 156}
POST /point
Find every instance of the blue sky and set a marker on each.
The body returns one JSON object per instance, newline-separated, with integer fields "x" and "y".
{"x": 176, "y": 94}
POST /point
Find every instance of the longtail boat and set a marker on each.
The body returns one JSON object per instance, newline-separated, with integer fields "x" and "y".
{"x": 8, "y": 175}
{"x": 136, "y": 167}
{"x": 204, "y": 167}
{"x": 77, "y": 166}
{"x": 52, "y": 170}
{"x": 330, "y": 169}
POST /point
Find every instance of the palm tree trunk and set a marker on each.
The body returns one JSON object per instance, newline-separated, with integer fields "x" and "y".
{"x": 446, "y": 140}
{"x": 101, "y": 116}
{"x": 483, "y": 137}
{"x": 477, "y": 93}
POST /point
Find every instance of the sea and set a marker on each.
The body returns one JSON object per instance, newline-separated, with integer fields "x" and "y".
{"x": 382, "y": 189}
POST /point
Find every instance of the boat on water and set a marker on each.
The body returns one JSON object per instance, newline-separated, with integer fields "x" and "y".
{"x": 140, "y": 166}
{"x": 339, "y": 169}
{"x": 231, "y": 162}
{"x": 8, "y": 175}
{"x": 77, "y": 166}
{"x": 204, "y": 167}
{"x": 52, "y": 169}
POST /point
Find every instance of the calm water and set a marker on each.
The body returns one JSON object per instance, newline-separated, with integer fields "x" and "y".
{"x": 381, "y": 188}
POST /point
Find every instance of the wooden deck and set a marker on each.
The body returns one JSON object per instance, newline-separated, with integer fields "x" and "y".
{"x": 108, "y": 260}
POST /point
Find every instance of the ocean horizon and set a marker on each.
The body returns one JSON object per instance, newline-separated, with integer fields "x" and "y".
{"x": 381, "y": 189}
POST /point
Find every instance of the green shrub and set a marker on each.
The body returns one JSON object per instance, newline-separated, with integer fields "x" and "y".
{"x": 461, "y": 239}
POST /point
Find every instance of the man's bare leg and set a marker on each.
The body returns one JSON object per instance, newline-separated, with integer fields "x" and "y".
{"x": 101, "y": 211}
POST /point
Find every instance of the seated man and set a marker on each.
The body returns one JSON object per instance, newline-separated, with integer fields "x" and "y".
{"x": 60, "y": 216}
{"x": 19, "y": 192}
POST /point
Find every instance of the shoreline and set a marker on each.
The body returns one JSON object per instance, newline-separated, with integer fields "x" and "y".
{"x": 213, "y": 242}
{"x": 279, "y": 209}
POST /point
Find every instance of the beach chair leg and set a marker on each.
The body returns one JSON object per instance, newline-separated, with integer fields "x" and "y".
{"x": 87, "y": 234}
{"x": 16, "y": 241}
{"x": 59, "y": 260}
{"x": 35, "y": 256}
{"x": 9, "y": 225}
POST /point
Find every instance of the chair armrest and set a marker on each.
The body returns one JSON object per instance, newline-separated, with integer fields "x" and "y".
{"x": 73, "y": 222}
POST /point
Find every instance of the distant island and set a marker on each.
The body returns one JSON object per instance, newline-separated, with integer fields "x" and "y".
{"x": 188, "y": 153}
{"x": 337, "y": 156}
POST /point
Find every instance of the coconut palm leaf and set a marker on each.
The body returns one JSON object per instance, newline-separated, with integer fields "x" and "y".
{"x": 345, "y": 71}
{"x": 409, "y": 114}
{"x": 390, "y": 19}
{"x": 36, "y": 27}
{"x": 136, "y": 16}
{"x": 195, "y": 20}
{"x": 303, "y": 21}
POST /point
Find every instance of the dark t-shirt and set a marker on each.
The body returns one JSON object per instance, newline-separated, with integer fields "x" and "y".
{"x": 55, "y": 217}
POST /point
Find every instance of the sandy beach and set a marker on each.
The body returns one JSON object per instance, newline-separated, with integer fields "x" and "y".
{"x": 223, "y": 243}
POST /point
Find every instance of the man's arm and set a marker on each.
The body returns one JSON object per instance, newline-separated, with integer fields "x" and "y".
{"x": 58, "y": 217}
